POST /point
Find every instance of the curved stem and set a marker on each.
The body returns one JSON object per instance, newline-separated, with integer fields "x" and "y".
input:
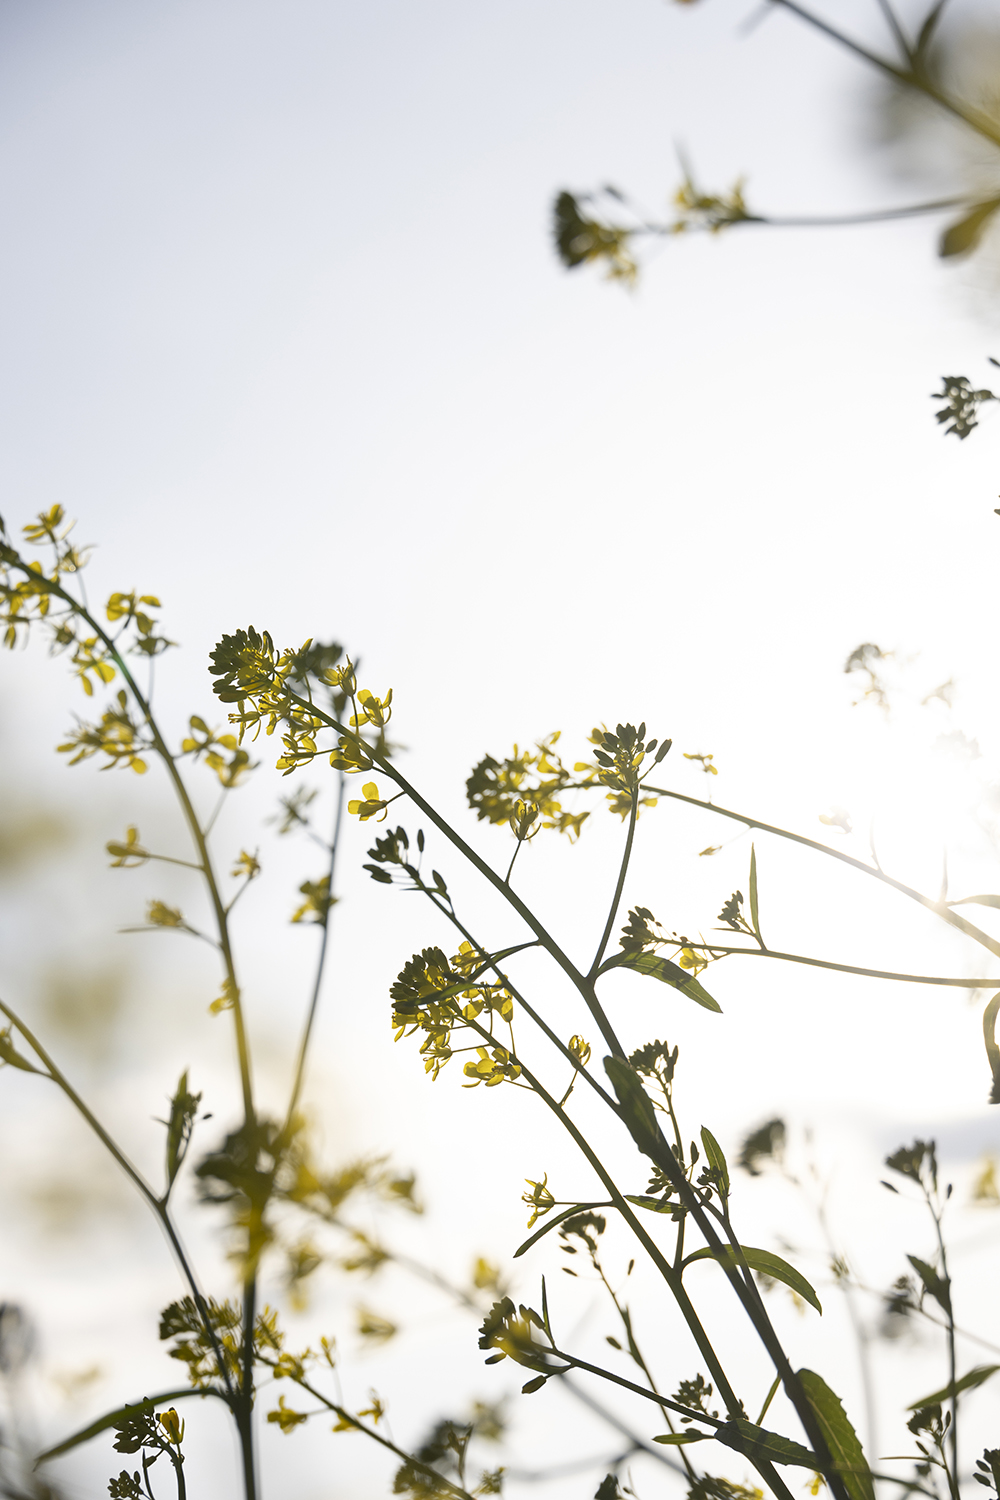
{"x": 194, "y": 828}
{"x": 825, "y": 963}
{"x": 320, "y": 963}
{"x": 908, "y": 77}
{"x": 346, "y": 1416}
{"x": 940, "y": 910}
{"x": 623, "y": 871}
{"x": 158, "y": 1205}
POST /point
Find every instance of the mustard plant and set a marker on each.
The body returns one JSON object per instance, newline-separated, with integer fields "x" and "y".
{"x": 467, "y": 1003}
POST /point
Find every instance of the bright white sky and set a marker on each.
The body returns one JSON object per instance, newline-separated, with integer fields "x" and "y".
{"x": 283, "y": 326}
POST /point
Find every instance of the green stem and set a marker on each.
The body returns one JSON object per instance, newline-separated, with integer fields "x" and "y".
{"x": 952, "y": 1367}
{"x": 194, "y": 827}
{"x": 244, "y": 1410}
{"x": 136, "y": 1178}
{"x": 346, "y": 1416}
{"x": 528, "y": 1009}
{"x": 742, "y": 1284}
{"x": 616, "y": 900}
{"x": 970, "y": 116}
{"x": 314, "y": 1001}
{"x": 940, "y": 910}
{"x": 766, "y": 1470}
{"x": 824, "y": 963}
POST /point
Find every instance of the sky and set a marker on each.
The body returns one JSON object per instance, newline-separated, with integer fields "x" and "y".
{"x": 284, "y": 328}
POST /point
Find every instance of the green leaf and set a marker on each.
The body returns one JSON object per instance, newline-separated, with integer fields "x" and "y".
{"x": 754, "y": 918}
{"x": 683, "y": 1437}
{"x": 716, "y": 1159}
{"x": 976, "y": 1376}
{"x": 122, "y": 1414}
{"x": 567, "y": 1213}
{"x": 636, "y": 1107}
{"x": 653, "y": 1204}
{"x": 964, "y": 235}
{"x": 10, "y": 1055}
{"x": 666, "y": 971}
{"x": 840, "y": 1437}
{"x": 768, "y": 1264}
{"x": 935, "y": 1285}
{"x": 756, "y": 1442}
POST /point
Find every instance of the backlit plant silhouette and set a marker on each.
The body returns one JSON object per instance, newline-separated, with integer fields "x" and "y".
{"x": 461, "y": 1001}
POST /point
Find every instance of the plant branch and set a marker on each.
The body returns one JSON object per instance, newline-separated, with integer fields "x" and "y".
{"x": 939, "y": 909}
{"x": 824, "y": 963}
{"x": 616, "y": 899}
{"x": 314, "y": 1001}
{"x": 158, "y": 1206}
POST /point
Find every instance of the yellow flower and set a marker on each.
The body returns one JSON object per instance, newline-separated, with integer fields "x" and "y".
{"x": 368, "y": 806}
{"x": 172, "y": 1425}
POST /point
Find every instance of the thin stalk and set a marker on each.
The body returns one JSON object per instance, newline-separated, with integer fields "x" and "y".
{"x": 823, "y": 221}
{"x": 453, "y": 837}
{"x": 944, "y": 912}
{"x": 158, "y": 1206}
{"x": 745, "y": 1288}
{"x": 194, "y": 827}
{"x": 639, "y": 1444}
{"x": 528, "y": 1009}
{"x": 616, "y": 899}
{"x": 952, "y": 1368}
{"x": 637, "y": 1356}
{"x": 766, "y": 1470}
{"x": 346, "y": 1416}
{"x": 320, "y": 963}
{"x": 244, "y": 1411}
{"x": 893, "y": 23}
{"x": 177, "y": 1460}
{"x": 972, "y": 117}
{"x": 824, "y": 963}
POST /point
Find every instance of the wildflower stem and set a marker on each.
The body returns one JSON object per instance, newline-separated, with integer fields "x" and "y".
{"x": 346, "y": 1416}
{"x": 616, "y": 899}
{"x": 939, "y": 908}
{"x": 191, "y": 818}
{"x": 909, "y": 77}
{"x": 825, "y": 963}
{"x": 300, "y": 1065}
{"x": 158, "y": 1205}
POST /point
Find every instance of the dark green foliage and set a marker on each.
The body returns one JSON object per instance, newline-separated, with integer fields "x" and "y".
{"x": 243, "y": 663}
{"x": 960, "y": 413}
{"x": 126, "y": 1487}
{"x": 766, "y": 1143}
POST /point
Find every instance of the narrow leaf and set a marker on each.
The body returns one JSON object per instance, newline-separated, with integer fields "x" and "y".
{"x": 935, "y": 1285}
{"x": 757, "y": 1442}
{"x": 926, "y": 33}
{"x": 716, "y": 1159}
{"x": 683, "y": 1437}
{"x": 636, "y": 1107}
{"x": 567, "y": 1213}
{"x": 10, "y": 1055}
{"x": 840, "y": 1437}
{"x": 975, "y": 1377}
{"x": 754, "y": 918}
{"x": 993, "y": 901}
{"x": 964, "y": 235}
{"x": 992, "y": 1050}
{"x": 767, "y": 1263}
{"x": 653, "y": 1204}
{"x": 666, "y": 971}
{"x": 112, "y": 1418}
